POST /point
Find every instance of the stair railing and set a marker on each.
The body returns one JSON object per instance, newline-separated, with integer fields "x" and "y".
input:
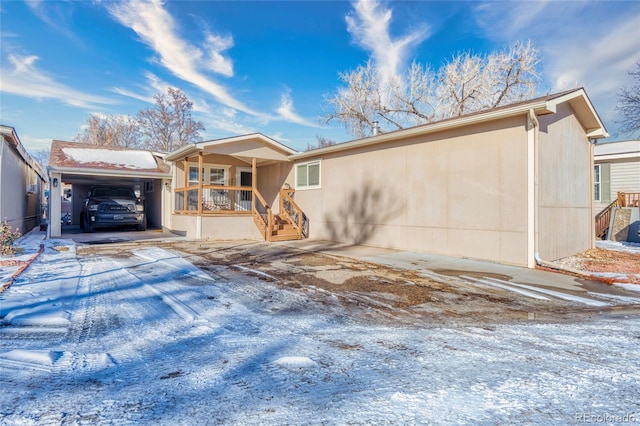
{"x": 624, "y": 199}
{"x": 291, "y": 210}
{"x": 629, "y": 199}
{"x": 604, "y": 218}
{"x": 264, "y": 224}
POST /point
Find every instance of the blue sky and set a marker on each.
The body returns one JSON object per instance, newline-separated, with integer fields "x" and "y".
{"x": 268, "y": 66}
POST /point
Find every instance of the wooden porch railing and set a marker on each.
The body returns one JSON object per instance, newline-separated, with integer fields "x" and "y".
{"x": 264, "y": 221}
{"x": 216, "y": 199}
{"x": 624, "y": 199}
{"x": 209, "y": 200}
{"x": 629, "y": 199}
{"x": 291, "y": 210}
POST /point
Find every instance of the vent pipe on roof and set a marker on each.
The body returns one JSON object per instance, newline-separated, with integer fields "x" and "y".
{"x": 375, "y": 129}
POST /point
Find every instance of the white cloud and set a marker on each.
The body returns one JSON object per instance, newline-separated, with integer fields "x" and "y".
{"x": 506, "y": 20}
{"x": 33, "y": 144}
{"x": 217, "y": 62}
{"x": 600, "y": 64}
{"x": 25, "y": 79}
{"x": 54, "y": 14}
{"x": 369, "y": 27}
{"x": 157, "y": 29}
{"x": 586, "y": 44}
{"x": 153, "y": 85}
{"x": 287, "y": 112}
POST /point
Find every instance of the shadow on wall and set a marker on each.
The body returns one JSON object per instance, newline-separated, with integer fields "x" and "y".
{"x": 356, "y": 221}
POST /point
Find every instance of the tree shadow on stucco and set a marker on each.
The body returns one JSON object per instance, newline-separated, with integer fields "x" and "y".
{"x": 358, "y": 219}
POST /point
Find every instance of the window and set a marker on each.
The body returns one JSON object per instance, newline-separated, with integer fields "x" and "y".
{"x": 308, "y": 175}
{"x": 217, "y": 176}
{"x": 596, "y": 183}
{"x": 193, "y": 175}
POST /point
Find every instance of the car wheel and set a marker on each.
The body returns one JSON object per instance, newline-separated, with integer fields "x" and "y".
{"x": 88, "y": 227}
{"x": 143, "y": 225}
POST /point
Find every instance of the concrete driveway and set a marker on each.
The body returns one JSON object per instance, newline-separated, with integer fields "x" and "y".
{"x": 113, "y": 235}
{"x": 524, "y": 281}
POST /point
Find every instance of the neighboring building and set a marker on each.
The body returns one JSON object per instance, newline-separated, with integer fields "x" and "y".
{"x": 616, "y": 185}
{"x": 616, "y": 169}
{"x": 506, "y": 185}
{"x": 22, "y": 184}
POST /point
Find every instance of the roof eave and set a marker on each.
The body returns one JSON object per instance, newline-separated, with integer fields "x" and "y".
{"x": 100, "y": 172}
{"x": 181, "y": 152}
{"x": 540, "y": 108}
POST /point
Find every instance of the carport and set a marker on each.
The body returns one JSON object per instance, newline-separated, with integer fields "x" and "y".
{"x": 83, "y": 166}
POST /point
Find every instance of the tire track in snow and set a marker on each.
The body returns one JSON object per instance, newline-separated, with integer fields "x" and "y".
{"x": 533, "y": 291}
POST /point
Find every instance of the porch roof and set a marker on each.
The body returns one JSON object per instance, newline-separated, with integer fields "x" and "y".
{"x": 245, "y": 148}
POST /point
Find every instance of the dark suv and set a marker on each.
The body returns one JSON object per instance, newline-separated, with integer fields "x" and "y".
{"x": 108, "y": 206}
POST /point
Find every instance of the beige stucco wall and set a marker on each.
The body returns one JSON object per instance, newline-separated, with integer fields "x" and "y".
{"x": 564, "y": 163}
{"x": 19, "y": 209}
{"x": 222, "y": 227}
{"x": 153, "y": 202}
{"x": 271, "y": 179}
{"x": 461, "y": 193}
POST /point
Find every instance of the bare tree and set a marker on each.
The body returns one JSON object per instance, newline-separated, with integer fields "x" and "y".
{"x": 321, "y": 142}
{"x": 466, "y": 84}
{"x": 169, "y": 125}
{"x": 110, "y": 130}
{"x": 629, "y": 104}
{"x": 41, "y": 156}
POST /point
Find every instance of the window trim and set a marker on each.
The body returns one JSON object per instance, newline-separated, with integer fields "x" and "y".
{"x": 307, "y": 164}
{"x": 206, "y": 173}
{"x": 597, "y": 183}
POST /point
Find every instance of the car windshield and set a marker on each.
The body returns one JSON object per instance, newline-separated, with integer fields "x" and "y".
{"x": 113, "y": 192}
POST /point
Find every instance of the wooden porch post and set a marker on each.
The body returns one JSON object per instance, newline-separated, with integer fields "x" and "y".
{"x": 254, "y": 183}
{"x": 185, "y": 184}
{"x": 200, "y": 194}
{"x": 186, "y": 172}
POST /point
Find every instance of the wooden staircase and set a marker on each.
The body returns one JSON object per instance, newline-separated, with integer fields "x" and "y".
{"x": 284, "y": 229}
{"x": 281, "y": 229}
{"x": 624, "y": 199}
{"x": 289, "y": 224}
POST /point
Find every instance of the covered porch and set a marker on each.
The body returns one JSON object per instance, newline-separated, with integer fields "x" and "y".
{"x": 234, "y": 188}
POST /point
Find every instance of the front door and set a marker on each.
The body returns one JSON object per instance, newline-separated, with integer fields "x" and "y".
{"x": 245, "y": 179}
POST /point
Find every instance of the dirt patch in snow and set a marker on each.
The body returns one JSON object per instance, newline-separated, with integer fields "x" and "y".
{"x": 598, "y": 260}
{"x": 366, "y": 291}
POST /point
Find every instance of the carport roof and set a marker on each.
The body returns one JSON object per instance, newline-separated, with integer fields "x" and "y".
{"x": 77, "y": 158}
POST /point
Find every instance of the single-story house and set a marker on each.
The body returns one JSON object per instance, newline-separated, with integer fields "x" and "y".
{"x": 508, "y": 185}
{"x": 22, "y": 184}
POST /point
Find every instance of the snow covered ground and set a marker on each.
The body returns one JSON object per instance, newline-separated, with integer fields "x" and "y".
{"x": 151, "y": 339}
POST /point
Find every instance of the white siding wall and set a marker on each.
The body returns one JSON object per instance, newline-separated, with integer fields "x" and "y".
{"x": 625, "y": 177}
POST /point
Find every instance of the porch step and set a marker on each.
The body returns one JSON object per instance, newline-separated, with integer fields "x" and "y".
{"x": 285, "y": 237}
{"x": 283, "y": 230}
